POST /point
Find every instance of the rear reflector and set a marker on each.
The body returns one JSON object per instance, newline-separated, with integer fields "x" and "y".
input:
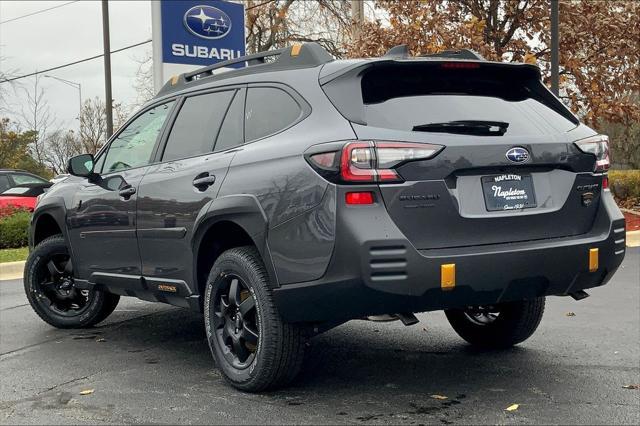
{"x": 359, "y": 198}
{"x": 605, "y": 182}
{"x": 448, "y": 276}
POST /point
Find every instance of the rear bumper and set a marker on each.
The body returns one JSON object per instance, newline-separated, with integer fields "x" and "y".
{"x": 375, "y": 270}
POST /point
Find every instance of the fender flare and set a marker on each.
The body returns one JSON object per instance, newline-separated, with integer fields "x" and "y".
{"x": 55, "y": 209}
{"x": 243, "y": 210}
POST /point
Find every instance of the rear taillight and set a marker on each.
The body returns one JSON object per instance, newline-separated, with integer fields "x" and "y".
{"x": 375, "y": 161}
{"x": 598, "y": 146}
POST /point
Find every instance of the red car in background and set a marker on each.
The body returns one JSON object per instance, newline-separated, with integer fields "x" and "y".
{"x": 21, "y": 189}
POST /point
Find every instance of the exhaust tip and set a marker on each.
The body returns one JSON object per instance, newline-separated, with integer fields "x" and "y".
{"x": 579, "y": 295}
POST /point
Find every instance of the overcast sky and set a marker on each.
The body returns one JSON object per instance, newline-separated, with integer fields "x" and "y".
{"x": 67, "y": 34}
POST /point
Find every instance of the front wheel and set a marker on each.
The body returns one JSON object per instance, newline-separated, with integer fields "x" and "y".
{"x": 252, "y": 346}
{"x": 497, "y": 326}
{"x": 50, "y": 289}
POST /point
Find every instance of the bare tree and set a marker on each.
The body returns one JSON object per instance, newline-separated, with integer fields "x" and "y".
{"x": 144, "y": 79}
{"x": 37, "y": 116}
{"x": 61, "y": 145}
{"x": 93, "y": 123}
{"x": 276, "y": 23}
{"x": 5, "y": 85}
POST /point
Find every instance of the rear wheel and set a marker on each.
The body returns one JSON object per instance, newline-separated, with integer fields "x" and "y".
{"x": 252, "y": 346}
{"x": 497, "y": 326}
{"x": 50, "y": 289}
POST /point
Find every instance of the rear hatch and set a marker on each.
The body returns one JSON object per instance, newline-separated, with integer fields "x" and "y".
{"x": 509, "y": 170}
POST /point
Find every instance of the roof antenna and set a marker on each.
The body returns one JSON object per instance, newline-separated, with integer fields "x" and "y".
{"x": 400, "y": 52}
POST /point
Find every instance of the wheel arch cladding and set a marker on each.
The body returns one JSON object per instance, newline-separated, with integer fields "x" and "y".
{"x": 231, "y": 221}
{"x": 46, "y": 224}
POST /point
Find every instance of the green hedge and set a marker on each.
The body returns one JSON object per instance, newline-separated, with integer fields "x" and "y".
{"x": 625, "y": 184}
{"x": 14, "y": 230}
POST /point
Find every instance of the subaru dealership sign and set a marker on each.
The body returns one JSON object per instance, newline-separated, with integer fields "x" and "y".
{"x": 188, "y": 34}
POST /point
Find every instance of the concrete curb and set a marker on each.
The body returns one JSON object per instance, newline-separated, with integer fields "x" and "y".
{"x": 14, "y": 270}
{"x": 11, "y": 270}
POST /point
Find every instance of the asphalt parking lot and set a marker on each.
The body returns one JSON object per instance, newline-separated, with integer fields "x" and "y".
{"x": 150, "y": 363}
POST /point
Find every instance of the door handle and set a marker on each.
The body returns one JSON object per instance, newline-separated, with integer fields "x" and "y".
{"x": 127, "y": 192}
{"x": 204, "y": 181}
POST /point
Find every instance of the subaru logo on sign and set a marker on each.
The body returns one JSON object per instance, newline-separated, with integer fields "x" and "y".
{"x": 518, "y": 155}
{"x": 207, "y": 22}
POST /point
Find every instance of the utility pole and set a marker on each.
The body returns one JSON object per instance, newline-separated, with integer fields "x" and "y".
{"x": 555, "y": 46}
{"x": 357, "y": 14}
{"x": 107, "y": 67}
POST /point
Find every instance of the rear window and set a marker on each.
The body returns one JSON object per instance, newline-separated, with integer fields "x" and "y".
{"x": 403, "y": 96}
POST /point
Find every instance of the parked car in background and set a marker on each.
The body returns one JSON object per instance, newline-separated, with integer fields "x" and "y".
{"x": 21, "y": 189}
{"x": 59, "y": 178}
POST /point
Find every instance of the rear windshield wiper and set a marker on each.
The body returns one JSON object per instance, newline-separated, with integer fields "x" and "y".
{"x": 466, "y": 127}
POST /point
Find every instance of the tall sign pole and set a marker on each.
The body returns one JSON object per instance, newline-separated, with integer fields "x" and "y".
{"x": 555, "y": 47}
{"x": 156, "y": 36}
{"x": 107, "y": 67}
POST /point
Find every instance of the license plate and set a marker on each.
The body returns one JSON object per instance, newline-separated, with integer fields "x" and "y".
{"x": 508, "y": 192}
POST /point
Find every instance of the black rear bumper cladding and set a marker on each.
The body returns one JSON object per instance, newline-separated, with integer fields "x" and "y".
{"x": 375, "y": 270}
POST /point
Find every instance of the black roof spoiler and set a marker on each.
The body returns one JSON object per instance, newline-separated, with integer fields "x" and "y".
{"x": 305, "y": 55}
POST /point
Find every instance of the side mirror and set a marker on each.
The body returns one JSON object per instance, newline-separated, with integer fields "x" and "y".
{"x": 81, "y": 165}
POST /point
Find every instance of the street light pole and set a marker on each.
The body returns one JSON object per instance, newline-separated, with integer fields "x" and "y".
{"x": 555, "y": 63}
{"x": 72, "y": 84}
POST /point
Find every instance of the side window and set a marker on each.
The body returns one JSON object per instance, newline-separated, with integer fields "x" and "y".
{"x": 4, "y": 183}
{"x": 268, "y": 110}
{"x": 196, "y": 127}
{"x": 21, "y": 179}
{"x": 133, "y": 145}
{"x": 231, "y": 133}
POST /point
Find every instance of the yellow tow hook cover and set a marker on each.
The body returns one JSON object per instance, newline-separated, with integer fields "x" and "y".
{"x": 593, "y": 260}
{"x": 448, "y": 276}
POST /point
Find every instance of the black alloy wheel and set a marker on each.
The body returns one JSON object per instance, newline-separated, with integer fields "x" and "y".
{"x": 236, "y": 321}
{"x": 55, "y": 288}
{"x": 52, "y": 291}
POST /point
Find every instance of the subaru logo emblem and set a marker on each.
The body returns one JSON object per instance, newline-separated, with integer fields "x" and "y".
{"x": 207, "y": 22}
{"x": 518, "y": 155}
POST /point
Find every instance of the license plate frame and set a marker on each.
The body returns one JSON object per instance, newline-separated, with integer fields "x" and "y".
{"x": 508, "y": 192}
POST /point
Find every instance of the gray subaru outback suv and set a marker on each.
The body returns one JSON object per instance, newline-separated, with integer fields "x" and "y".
{"x": 299, "y": 192}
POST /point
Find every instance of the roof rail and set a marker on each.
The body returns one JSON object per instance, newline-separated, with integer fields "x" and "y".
{"x": 456, "y": 54}
{"x": 305, "y": 55}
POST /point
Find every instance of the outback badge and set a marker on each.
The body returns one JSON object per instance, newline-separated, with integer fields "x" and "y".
{"x": 587, "y": 199}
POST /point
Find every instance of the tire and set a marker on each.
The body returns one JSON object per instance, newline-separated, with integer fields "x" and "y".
{"x": 43, "y": 289}
{"x": 248, "y": 362}
{"x": 515, "y": 323}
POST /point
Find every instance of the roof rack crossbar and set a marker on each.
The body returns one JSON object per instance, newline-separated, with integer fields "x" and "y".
{"x": 298, "y": 56}
{"x": 251, "y": 60}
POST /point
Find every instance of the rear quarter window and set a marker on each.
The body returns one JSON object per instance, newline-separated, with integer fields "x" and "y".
{"x": 269, "y": 110}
